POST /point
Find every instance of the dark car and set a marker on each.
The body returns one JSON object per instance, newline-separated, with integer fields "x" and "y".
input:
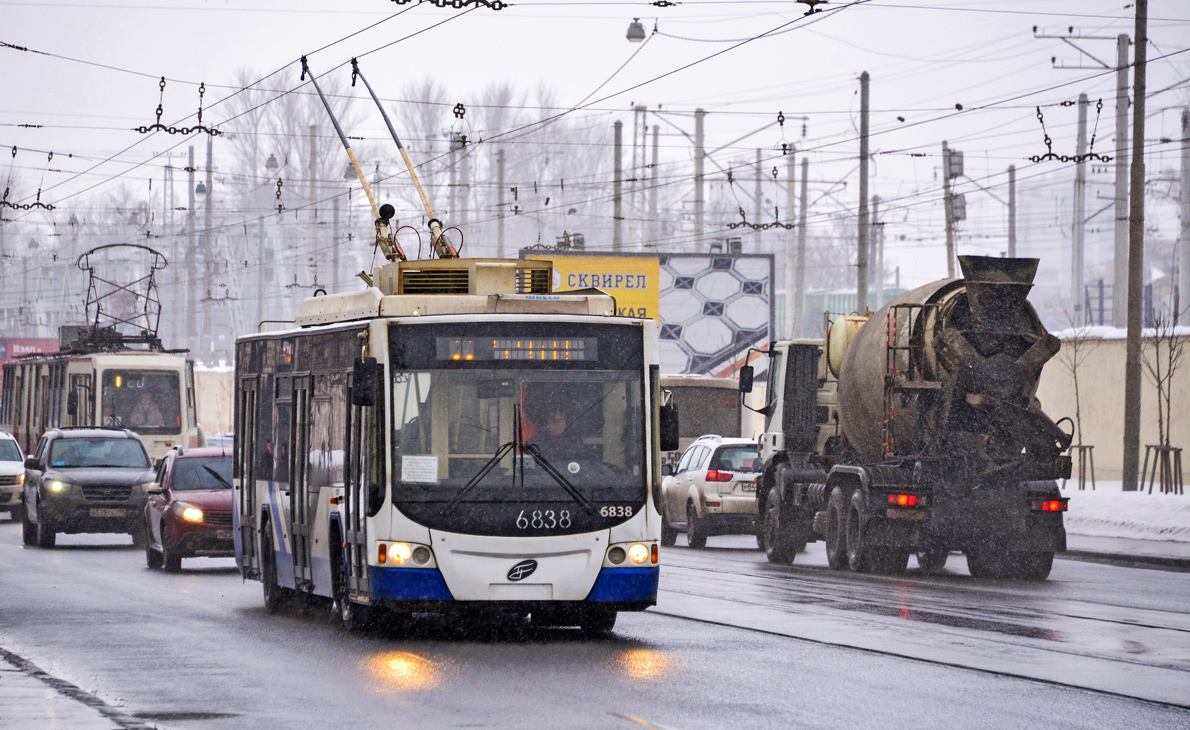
{"x": 85, "y": 480}
{"x": 188, "y": 513}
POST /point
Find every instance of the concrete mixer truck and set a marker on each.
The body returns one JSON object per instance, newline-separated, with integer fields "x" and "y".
{"x": 917, "y": 430}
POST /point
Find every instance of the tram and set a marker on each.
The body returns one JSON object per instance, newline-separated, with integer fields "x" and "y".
{"x": 456, "y": 436}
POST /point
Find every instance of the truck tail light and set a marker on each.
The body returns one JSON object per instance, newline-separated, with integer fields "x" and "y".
{"x": 903, "y": 500}
{"x": 1051, "y": 505}
{"x": 715, "y": 475}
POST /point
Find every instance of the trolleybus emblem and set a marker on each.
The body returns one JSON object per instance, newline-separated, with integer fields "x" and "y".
{"x": 522, "y": 570}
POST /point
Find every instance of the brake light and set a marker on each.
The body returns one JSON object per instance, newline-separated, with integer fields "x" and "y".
{"x": 903, "y": 500}
{"x": 1050, "y": 505}
{"x": 713, "y": 504}
{"x": 715, "y": 475}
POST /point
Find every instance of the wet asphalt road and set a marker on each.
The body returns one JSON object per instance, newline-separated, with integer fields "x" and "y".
{"x": 734, "y": 643}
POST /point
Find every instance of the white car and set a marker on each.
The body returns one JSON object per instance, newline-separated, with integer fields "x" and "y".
{"x": 712, "y": 491}
{"x": 12, "y": 475}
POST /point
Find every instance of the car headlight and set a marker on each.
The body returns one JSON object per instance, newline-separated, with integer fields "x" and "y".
{"x": 20, "y": 478}
{"x": 188, "y": 512}
{"x": 59, "y": 487}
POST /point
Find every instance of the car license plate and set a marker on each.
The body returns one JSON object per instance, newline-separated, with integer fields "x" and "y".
{"x": 222, "y": 534}
{"x": 749, "y": 487}
{"x": 107, "y": 512}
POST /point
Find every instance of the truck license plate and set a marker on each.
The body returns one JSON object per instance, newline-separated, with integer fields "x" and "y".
{"x": 106, "y": 512}
{"x": 222, "y": 534}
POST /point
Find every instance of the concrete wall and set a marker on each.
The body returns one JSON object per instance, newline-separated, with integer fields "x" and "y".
{"x": 215, "y": 405}
{"x": 1101, "y": 393}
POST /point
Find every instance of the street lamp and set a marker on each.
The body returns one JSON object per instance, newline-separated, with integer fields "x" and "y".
{"x": 636, "y": 31}
{"x": 271, "y": 165}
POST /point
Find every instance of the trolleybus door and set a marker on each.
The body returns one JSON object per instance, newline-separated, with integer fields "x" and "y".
{"x": 299, "y": 482}
{"x": 245, "y": 461}
{"x": 355, "y": 535}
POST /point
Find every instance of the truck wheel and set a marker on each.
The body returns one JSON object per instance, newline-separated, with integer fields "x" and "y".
{"x": 778, "y": 544}
{"x": 836, "y": 548}
{"x": 1033, "y": 566}
{"x": 668, "y": 534}
{"x": 859, "y": 555}
{"x": 932, "y": 560}
{"x": 695, "y": 536}
{"x": 988, "y": 562}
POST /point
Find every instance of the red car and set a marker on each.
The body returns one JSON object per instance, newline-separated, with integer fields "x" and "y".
{"x": 189, "y": 509}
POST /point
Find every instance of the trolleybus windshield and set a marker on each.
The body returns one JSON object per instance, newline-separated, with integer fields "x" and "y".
{"x": 518, "y": 428}
{"x": 146, "y": 401}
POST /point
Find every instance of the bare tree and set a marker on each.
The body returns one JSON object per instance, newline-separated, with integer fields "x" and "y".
{"x": 1162, "y": 356}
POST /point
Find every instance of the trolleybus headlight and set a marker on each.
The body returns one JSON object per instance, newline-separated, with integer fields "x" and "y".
{"x": 638, "y": 553}
{"x": 616, "y": 555}
{"x": 421, "y": 555}
{"x": 398, "y": 553}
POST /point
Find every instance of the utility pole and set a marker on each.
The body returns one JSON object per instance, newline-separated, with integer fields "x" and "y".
{"x": 464, "y": 188}
{"x": 1012, "y": 211}
{"x": 208, "y": 257}
{"x": 1136, "y": 245}
{"x": 1183, "y": 297}
{"x": 191, "y": 289}
{"x": 877, "y": 239}
{"x": 334, "y": 283}
{"x": 260, "y": 270}
{"x": 313, "y": 212}
{"x": 640, "y": 143}
{"x": 499, "y": 204}
{"x": 799, "y": 294}
{"x": 653, "y": 233}
{"x": 618, "y": 190}
{"x": 1119, "y": 297}
{"x": 791, "y": 260}
{"x": 1077, "y": 295}
{"x": 699, "y": 198}
{"x": 861, "y": 277}
{"x": 948, "y": 204}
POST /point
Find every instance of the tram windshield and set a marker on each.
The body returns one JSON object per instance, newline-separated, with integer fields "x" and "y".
{"x": 146, "y": 401}
{"x": 537, "y": 418}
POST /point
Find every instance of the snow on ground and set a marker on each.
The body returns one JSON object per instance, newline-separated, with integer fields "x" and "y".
{"x": 1109, "y": 512}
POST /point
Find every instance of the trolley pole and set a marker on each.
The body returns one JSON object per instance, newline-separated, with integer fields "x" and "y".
{"x": 861, "y": 268}
{"x": 1136, "y": 245}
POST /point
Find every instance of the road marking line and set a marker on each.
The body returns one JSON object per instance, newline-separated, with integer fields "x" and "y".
{"x": 639, "y": 721}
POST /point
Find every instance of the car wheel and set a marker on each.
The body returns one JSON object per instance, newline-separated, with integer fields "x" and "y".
{"x": 597, "y": 623}
{"x": 669, "y": 535}
{"x": 18, "y": 512}
{"x": 28, "y": 529}
{"x": 152, "y": 557}
{"x": 836, "y": 547}
{"x": 274, "y": 595}
{"x": 171, "y": 559}
{"x": 46, "y": 536}
{"x": 694, "y": 535}
{"x": 138, "y": 536}
{"x": 777, "y": 543}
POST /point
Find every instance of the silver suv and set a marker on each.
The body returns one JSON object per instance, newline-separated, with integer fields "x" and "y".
{"x": 12, "y": 475}
{"x": 712, "y": 491}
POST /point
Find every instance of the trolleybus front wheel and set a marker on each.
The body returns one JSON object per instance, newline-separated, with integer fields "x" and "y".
{"x": 275, "y": 598}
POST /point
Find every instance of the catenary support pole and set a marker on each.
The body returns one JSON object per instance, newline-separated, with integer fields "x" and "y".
{"x": 948, "y": 205}
{"x": 1184, "y": 230}
{"x": 799, "y": 298}
{"x": 861, "y": 267}
{"x": 1012, "y": 211}
{"x": 792, "y": 325}
{"x": 877, "y": 258}
{"x": 208, "y": 256}
{"x": 1079, "y": 225}
{"x": 1136, "y": 245}
{"x": 699, "y": 182}
{"x": 312, "y": 213}
{"x": 653, "y": 222}
{"x": 1119, "y": 298}
{"x": 191, "y": 337}
{"x": 618, "y": 188}
{"x": 500, "y": 204}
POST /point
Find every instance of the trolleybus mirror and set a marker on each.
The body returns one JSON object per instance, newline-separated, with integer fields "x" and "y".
{"x": 746, "y": 379}
{"x": 364, "y": 382}
{"x": 669, "y": 428}
{"x": 667, "y": 470}
{"x": 72, "y": 403}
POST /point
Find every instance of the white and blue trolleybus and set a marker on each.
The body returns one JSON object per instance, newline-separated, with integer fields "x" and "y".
{"x": 455, "y": 436}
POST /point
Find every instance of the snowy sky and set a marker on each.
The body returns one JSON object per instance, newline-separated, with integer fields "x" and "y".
{"x": 924, "y": 59}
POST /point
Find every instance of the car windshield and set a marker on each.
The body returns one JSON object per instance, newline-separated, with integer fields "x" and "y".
{"x": 76, "y": 453}
{"x": 202, "y": 472}
{"x": 737, "y": 458}
{"x": 146, "y": 401}
{"x": 9, "y": 451}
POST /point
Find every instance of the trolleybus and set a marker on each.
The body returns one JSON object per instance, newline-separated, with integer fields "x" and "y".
{"x": 455, "y": 436}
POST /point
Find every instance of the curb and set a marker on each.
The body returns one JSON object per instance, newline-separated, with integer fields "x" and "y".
{"x": 1155, "y": 562}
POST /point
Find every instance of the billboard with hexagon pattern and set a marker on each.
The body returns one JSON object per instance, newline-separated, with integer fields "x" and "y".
{"x": 711, "y": 308}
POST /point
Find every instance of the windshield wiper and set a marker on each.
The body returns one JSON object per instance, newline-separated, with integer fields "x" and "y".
{"x": 218, "y": 477}
{"x": 475, "y": 480}
{"x": 548, "y": 468}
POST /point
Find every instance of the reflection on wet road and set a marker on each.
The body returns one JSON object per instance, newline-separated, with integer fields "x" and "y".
{"x": 1112, "y": 629}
